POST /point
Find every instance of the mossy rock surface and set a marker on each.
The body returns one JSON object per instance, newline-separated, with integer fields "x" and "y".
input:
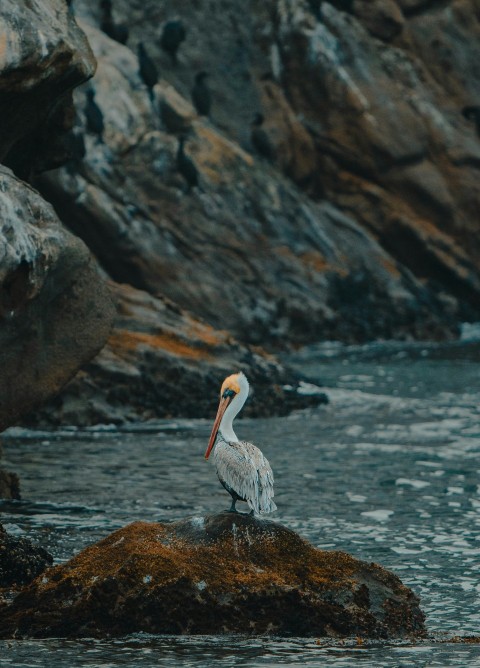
{"x": 225, "y": 573}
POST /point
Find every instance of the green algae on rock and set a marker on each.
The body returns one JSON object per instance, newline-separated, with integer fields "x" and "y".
{"x": 224, "y": 573}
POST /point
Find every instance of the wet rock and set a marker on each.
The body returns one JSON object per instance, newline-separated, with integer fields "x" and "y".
{"x": 9, "y": 485}
{"x": 224, "y": 573}
{"x": 55, "y": 311}
{"x": 38, "y": 68}
{"x": 159, "y": 362}
{"x": 20, "y": 560}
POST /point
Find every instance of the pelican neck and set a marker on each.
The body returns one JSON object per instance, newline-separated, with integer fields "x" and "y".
{"x": 226, "y": 425}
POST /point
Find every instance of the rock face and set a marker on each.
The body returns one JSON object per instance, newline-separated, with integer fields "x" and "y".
{"x": 359, "y": 229}
{"x": 225, "y": 573}
{"x": 365, "y": 225}
{"x": 20, "y": 560}
{"x": 55, "y": 311}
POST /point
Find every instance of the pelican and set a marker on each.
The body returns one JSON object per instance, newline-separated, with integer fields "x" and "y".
{"x": 241, "y": 467}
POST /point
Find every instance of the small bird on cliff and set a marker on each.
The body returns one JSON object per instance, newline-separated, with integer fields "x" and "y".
{"x": 117, "y": 31}
{"x": 472, "y": 113}
{"x": 186, "y": 166}
{"x": 241, "y": 467}
{"x": 173, "y": 34}
{"x": 260, "y": 139}
{"x": 201, "y": 96}
{"x": 148, "y": 69}
{"x": 94, "y": 116}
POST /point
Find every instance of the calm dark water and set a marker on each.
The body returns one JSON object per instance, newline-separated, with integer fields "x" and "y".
{"x": 388, "y": 471}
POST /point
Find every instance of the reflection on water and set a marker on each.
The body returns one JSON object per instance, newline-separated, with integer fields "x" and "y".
{"x": 388, "y": 471}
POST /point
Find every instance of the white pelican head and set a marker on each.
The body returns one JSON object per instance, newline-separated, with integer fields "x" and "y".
{"x": 233, "y": 394}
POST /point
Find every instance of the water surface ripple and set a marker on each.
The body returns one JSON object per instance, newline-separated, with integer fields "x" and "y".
{"x": 388, "y": 471}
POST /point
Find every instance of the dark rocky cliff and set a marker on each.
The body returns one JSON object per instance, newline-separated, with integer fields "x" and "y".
{"x": 365, "y": 226}
{"x": 363, "y": 223}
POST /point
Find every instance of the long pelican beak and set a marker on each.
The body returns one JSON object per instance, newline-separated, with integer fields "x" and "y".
{"x": 222, "y": 407}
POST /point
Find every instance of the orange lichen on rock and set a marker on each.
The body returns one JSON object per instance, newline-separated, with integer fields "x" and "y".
{"x": 206, "y": 333}
{"x": 221, "y": 573}
{"x": 127, "y": 340}
{"x": 314, "y": 260}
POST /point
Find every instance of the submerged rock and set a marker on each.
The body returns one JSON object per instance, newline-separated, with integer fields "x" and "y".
{"x": 20, "y": 560}
{"x": 222, "y": 573}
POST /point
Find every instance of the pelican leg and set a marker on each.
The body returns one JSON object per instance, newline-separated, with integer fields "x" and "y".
{"x": 232, "y": 507}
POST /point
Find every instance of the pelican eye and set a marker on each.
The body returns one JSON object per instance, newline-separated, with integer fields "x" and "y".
{"x": 228, "y": 394}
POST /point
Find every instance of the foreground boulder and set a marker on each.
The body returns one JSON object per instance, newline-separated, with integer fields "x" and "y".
{"x": 223, "y": 573}
{"x": 20, "y": 560}
{"x": 55, "y": 310}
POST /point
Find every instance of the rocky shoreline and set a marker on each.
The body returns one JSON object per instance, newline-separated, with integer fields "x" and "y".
{"x": 362, "y": 225}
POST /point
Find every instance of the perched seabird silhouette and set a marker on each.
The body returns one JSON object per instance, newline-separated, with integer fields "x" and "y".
{"x": 76, "y": 146}
{"x": 148, "y": 69}
{"x": 472, "y": 113}
{"x": 241, "y": 467}
{"x": 185, "y": 165}
{"x": 201, "y": 96}
{"x": 116, "y": 31}
{"x": 94, "y": 116}
{"x": 173, "y": 34}
{"x": 260, "y": 139}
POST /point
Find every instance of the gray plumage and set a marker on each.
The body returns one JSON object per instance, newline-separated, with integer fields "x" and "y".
{"x": 242, "y": 468}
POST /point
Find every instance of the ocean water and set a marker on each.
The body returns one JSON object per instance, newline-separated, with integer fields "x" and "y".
{"x": 388, "y": 471}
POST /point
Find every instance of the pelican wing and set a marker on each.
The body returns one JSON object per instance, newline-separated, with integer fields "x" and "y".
{"x": 243, "y": 467}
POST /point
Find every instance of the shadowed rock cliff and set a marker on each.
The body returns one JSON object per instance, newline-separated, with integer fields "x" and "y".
{"x": 226, "y": 573}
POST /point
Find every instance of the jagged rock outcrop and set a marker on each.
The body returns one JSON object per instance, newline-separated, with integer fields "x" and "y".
{"x": 225, "y": 573}
{"x": 360, "y": 112}
{"x": 247, "y": 251}
{"x": 160, "y": 361}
